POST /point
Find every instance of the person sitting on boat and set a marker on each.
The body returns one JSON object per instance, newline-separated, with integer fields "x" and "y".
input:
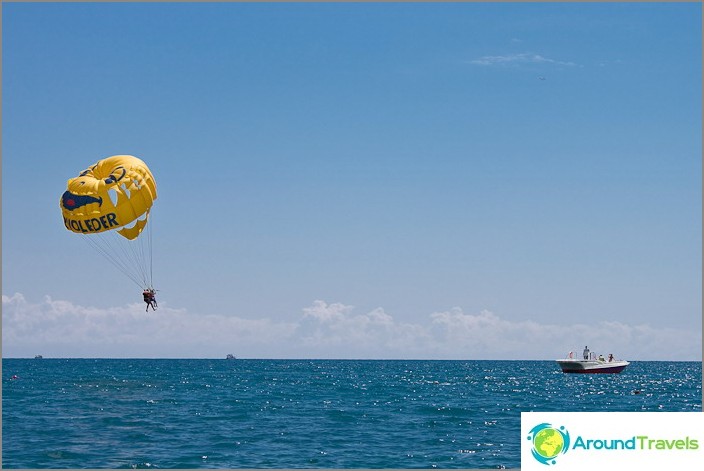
{"x": 586, "y": 353}
{"x": 601, "y": 358}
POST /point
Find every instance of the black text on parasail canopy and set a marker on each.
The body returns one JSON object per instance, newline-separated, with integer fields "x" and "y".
{"x": 109, "y": 204}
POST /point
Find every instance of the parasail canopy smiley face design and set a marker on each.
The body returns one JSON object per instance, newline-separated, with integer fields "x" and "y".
{"x": 116, "y": 193}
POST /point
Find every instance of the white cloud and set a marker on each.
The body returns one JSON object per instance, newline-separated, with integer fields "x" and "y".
{"x": 326, "y": 312}
{"x": 330, "y": 328}
{"x": 517, "y": 59}
{"x": 64, "y": 329}
{"x": 61, "y": 328}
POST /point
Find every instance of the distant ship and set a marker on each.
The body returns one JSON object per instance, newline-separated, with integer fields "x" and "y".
{"x": 38, "y": 357}
{"x": 230, "y": 356}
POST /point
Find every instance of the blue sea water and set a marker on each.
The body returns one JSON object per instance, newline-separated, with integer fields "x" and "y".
{"x": 100, "y": 413}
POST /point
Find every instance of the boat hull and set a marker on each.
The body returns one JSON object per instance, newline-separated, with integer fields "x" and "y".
{"x": 591, "y": 366}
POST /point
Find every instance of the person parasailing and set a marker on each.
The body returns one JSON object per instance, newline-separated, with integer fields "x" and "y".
{"x": 149, "y": 295}
{"x": 152, "y": 291}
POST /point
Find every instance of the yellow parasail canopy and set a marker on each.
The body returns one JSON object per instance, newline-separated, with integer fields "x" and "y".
{"x": 114, "y": 194}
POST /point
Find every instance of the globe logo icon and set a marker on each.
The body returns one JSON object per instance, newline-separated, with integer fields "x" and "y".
{"x": 549, "y": 442}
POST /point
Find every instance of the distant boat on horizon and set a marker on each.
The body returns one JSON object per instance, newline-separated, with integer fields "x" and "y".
{"x": 230, "y": 356}
{"x": 38, "y": 357}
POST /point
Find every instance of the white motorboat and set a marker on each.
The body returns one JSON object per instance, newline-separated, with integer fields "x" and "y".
{"x": 570, "y": 365}
{"x": 590, "y": 363}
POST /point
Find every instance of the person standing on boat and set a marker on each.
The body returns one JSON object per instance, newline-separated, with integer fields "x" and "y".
{"x": 585, "y": 354}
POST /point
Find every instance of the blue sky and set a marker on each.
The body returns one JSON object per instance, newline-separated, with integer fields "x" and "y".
{"x": 361, "y": 180}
